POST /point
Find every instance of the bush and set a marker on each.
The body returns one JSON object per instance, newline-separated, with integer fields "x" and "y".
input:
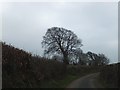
{"x": 81, "y": 69}
{"x": 47, "y": 69}
{"x": 109, "y": 74}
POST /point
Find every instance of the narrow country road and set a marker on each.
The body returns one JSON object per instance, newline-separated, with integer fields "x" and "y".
{"x": 88, "y": 81}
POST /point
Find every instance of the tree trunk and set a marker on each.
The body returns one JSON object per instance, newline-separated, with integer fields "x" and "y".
{"x": 66, "y": 61}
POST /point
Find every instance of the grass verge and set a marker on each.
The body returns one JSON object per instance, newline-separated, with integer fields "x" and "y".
{"x": 63, "y": 83}
{"x": 59, "y": 83}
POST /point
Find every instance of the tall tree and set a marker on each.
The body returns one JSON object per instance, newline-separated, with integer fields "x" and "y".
{"x": 60, "y": 41}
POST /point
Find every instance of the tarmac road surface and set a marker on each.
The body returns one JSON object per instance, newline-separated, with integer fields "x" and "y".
{"x": 88, "y": 81}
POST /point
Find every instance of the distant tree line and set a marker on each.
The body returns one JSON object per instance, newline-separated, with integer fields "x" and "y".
{"x": 89, "y": 59}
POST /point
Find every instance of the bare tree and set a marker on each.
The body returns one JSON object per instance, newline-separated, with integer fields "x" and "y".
{"x": 97, "y": 59}
{"x": 60, "y": 41}
{"x": 76, "y": 55}
{"x": 103, "y": 60}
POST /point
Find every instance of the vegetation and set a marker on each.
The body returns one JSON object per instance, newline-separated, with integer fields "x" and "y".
{"x": 63, "y": 42}
{"x": 60, "y": 41}
{"x": 73, "y": 72}
{"x": 21, "y": 69}
{"x": 109, "y": 75}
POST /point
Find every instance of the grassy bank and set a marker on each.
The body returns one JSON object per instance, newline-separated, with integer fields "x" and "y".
{"x": 63, "y": 83}
{"x": 59, "y": 83}
{"x": 72, "y": 73}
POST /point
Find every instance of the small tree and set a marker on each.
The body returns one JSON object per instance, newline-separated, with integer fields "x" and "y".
{"x": 103, "y": 60}
{"x": 97, "y": 59}
{"x": 60, "y": 41}
{"x": 77, "y": 53}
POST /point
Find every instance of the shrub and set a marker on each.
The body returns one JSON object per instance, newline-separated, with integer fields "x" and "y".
{"x": 22, "y": 70}
{"x": 109, "y": 74}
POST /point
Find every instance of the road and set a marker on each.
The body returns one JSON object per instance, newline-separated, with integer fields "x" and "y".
{"x": 88, "y": 81}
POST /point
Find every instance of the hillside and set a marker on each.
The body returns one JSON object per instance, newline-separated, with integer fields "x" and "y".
{"x": 22, "y": 70}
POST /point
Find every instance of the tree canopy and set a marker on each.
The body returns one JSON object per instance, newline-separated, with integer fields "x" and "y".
{"x": 61, "y": 41}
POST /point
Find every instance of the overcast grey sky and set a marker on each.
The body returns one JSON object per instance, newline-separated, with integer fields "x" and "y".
{"x": 24, "y": 25}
